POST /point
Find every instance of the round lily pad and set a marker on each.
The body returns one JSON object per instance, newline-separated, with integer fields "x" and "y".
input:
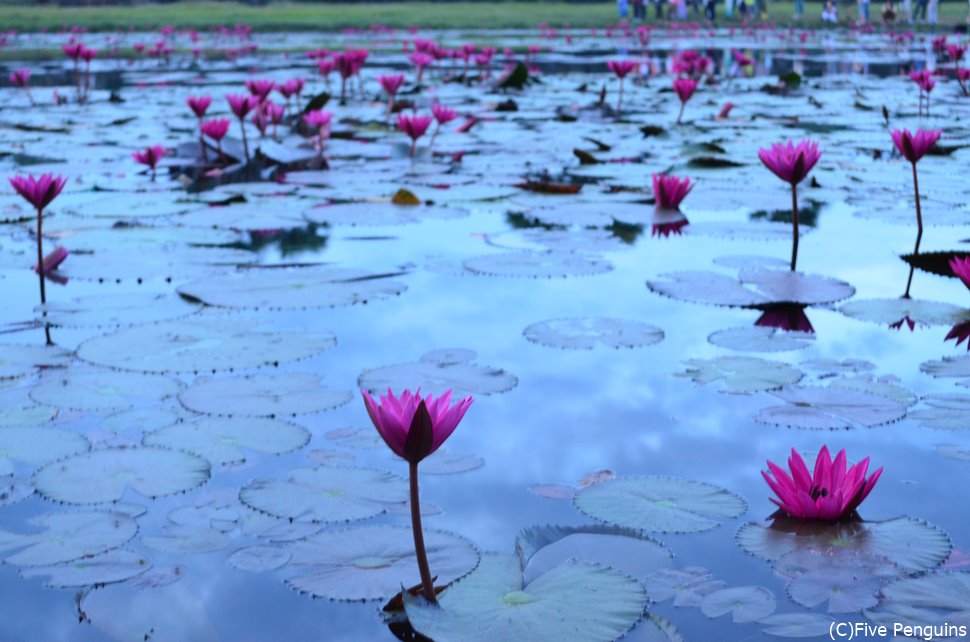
{"x": 257, "y": 559}
{"x": 437, "y": 372}
{"x": 379, "y": 214}
{"x": 373, "y": 562}
{"x": 447, "y": 462}
{"x": 687, "y": 586}
{"x": 187, "y": 539}
{"x": 744, "y": 603}
{"x": 260, "y": 395}
{"x": 797, "y": 625}
{"x": 68, "y": 536}
{"x": 927, "y": 601}
{"x": 116, "y": 565}
{"x": 752, "y": 288}
{"x": 104, "y": 475}
{"x": 891, "y": 311}
{"x": 93, "y": 389}
{"x": 585, "y": 333}
{"x": 659, "y": 504}
{"x": 831, "y": 407}
{"x": 37, "y": 446}
{"x": 538, "y": 265}
{"x": 326, "y": 494}
{"x": 292, "y": 288}
{"x": 761, "y": 339}
{"x": 114, "y": 310}
{"x": 572, "y": 601}
{"x": 948, "y": 411}
{"x": 947, "y": 367}
{"x": 742, "y": 375}
{"x": 22, "y": 360}
{"x": 225, "y": 440}
{"x": 197, "y": 346}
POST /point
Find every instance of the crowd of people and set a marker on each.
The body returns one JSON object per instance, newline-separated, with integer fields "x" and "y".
{"x": 912, "y": 11}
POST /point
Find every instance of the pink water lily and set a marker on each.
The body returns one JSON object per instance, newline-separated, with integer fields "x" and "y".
{"x": 621, "y": 68}
{"x": 414, "y": 126}
{"x": 199, "y": 104}
{"x": 960, "y": 266}
{"x": 216, "y": 130}
{"x": 150, "y": 156}
{"x": 669, "y": 191}
{"x": 21, "y": 78}
{"x": 830, "y": 494}
{"x": 924, "y": 80}
{"x": 684, "y": 88}
{"x": 241, "y": 106}
{"x": 791, "y": 163}
{"x": 391, "y": 85}
{"x": 790, "y": 317}
{"x": 414, "y": 427}
{"x": 394, "y": 418}
{"x": 39, "y": 192}
{"x": 260, "y": 88}
{"x": 914, "y": 146}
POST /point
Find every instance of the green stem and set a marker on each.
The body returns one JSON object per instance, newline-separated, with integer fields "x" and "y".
{"x": 919, "y": 231}
{"x": 427, "y": 585}
{"x": 794, "y": 222}
{"x": 40, "y": 271}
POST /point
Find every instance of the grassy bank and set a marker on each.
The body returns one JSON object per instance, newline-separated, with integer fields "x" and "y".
{"x": 282, "y": 16}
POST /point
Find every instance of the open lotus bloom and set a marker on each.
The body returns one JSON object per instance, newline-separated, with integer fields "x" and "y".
{"x": 914, "y": 146}
{"x": 390, "y": 84}
{"x": 39, "y": 191}
{"x": 621, "y": 67}
{"x": 150, "y": 155}
{"x": 199, "y": 104}
{"x": 831, "y": 493}
{"x": 414, "y": 126}
{"x": 961, "y": 268}
{"x": 684, "y": 88}
{"x": 413, "y": 433}
{"x": 215, "y": 128}
{"x": 791, "y": 162}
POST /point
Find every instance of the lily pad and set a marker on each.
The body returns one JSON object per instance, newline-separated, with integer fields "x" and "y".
{"x": 22, "y": 360}
{"x": 752, "y": 288}
{"x": 93, "y": 389}
{"x": 660, "y": 504}
{"x": 761, "y": 339}
{"x": 68, "y": 536}
{"x": 448, "y": 462}
{"x": 573, "y": 601}
{"x": 948, "y": 411}
{"x": 104, "y": 475}
{"x": 292, "y": 288}
{"x": 258, "y": 559}
{"x": 260, "y": 395}
{"x": 744, "y": 603}
{"x": 326, "y": 494}
{"x": 797, "y": 625}
{"x": 831, "y": 407}
{"x": 687, "y": 586}
{"x": 585, "y": 333}
{"x": 948, "y": 367}
{"x": 742, "y": 375}
{"x": 196, "y": 346}
{"x": 538, "y": 265}
{"x": 37, "y": 446}
{"x": 115, "y": 310}
{"x": 890, "y": 311}
{"x": 437, "y": 372}
{"x": 114, "y": 566}
{"x": 927, "y": 601}
{"x": 225, "y": 440}
{"x": 373, "y": 562}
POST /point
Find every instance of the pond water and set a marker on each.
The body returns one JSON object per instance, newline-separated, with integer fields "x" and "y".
{"x": 145, "y": 491}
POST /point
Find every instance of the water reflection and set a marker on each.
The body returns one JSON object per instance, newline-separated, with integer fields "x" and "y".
{"x": 785, "y": 316}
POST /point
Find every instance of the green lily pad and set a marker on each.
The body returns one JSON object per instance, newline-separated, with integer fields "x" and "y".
{"x": 744, "y": 603}
{"x": 928, "y": 601}
{"x": 659, "y": 504}
{"x": 573, "y": 601}
{"x": 22, "y": 360}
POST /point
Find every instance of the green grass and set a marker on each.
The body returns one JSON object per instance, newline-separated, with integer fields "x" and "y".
{"x": 284, "y": 16}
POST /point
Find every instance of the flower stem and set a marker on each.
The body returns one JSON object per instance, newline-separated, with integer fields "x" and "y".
{"x": 427, "y": 585}
{"x": 919, "y": 231}
{"x": 681, "y": 114}
{"x": 40, "y": 271}
{"x": 794, "y": 223}
{"x": 242, "y": 125}
{"x": 619, "y": 100}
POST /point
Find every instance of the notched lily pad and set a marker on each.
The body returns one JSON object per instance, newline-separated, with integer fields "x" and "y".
{"x": 585, "y": 333}
{"x": 437, "y": 372}
{"x": 538, "y": 265}
{"x": 752, "y": 288}
{"x": 263, "y": 395}
{"x": 225, "y": 440}
{"x": 744, "y": 603}
{"x": 831, "y": 407}
{"x": 741, "y": 375}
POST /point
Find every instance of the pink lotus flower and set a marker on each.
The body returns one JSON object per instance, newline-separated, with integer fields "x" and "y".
{"x": 394, "y": 417}
{"x": 414, "y": 126}
{"x": 199, "y": 104}
{"x": 785, "y": 316}
{"x": 87, "y": 54}
{"x": 290, "y": 87}
{"x": 684, "y": 88}
{"x": 924, "y": 79}
{"x": 318, "y": 118}
{"x": 413, "y": 428}
{"x": 669, "y": 191}
{"x": 39, "y": 191}
{"x": 960, "y": 332}
{"x": 914, "y": 146}
{"x": 390, "y": 84}
{"x": 20, "y": 78}
{"x": 53, "y": 260}
{"x": 789, "y": 162}
{"x": 621, "y": 68}
{"x": 956, "y": 52}
{"x": 216, "y": 128}
{"x": 150, "y": 156}
{"x": 260, "y": 88}
{"x": 960, "y": 266}
{"x": 241, "y": 105}
{"x": 420, "y": 61}
{"x": 72, "y": 50}
{"x": 326, "y": 67}
{"x": 740, "y": 58}
{"x": 831, "y": 494}
{"x": 443, "y": 114}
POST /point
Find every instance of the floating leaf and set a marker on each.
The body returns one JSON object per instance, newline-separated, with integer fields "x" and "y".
{"x": 114, "y": 566}
{"x": 292, "y": 288}
{"x": 573, "y": 601}
{"x": 380, "y": 214}
{"x": 93, "y": 389}
{"x": 928, "y": 601}
{"x": 687, "y": 586}
{"x": 326, "y": 494}
{"x": 742, "y": 375}
{"x": 373, "y": 562}
{"x": 744, "y": 603}
{"x": 752, "y": 288}
{"x": 761, "y": 339}
{"x": 891, "y": 311}
{"x": 437, "y": 372}
{"x": 14, "y": 490}
{"x": 258, "y": 559}
{"x": 68, "y": 536}
{"x": 797, "y": 625}
{"x": 661, "y": 504}
{"x": 448, "y": 462}
{"x": 261, "y": 395}
{"x": 537, "y": 265}
{"x": 37, "y": 446}
{"x": 195, "y": 346}
{"x": 947, "y": 367}
{"x": 114, "y": 310}
{"x": 553, "y": 491}
{"x": 103, "y": 475}
{"x": 585, "y": 333}
{"x": 832, "y": 407}
{"x": 186, "y": 539}
{"x": 948, "y": 411}
{"x": 22, "y": 360}
{"x": 845, "y": 589}
{"x": 225, "y": 440}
